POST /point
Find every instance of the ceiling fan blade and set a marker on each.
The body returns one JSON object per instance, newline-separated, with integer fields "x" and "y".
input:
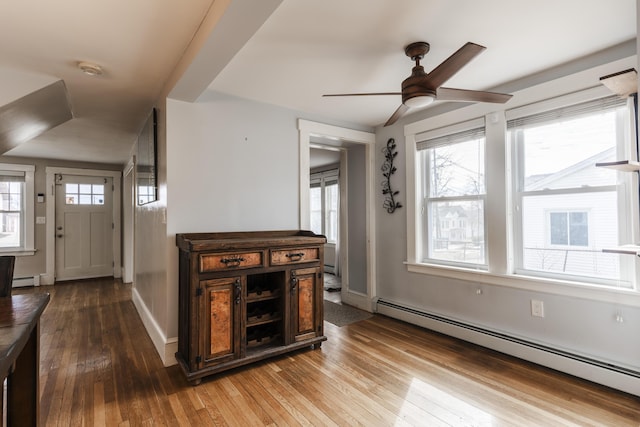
{"x": 398, "y": 113}
{"x": 449, "y": 94}
{"x": 364, "y": 94}
{"x": 454, "y": 63}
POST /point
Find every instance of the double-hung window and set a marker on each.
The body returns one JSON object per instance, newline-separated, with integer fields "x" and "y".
{"x": 16, "y": 208}
{"x": 565, "y": 209}
{"x": 452, "y": 168}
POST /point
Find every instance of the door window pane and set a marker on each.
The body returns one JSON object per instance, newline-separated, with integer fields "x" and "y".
{"x": 84, "y": 194}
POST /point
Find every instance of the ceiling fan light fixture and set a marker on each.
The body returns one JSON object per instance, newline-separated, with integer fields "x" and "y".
{"x": 419, "y": 101}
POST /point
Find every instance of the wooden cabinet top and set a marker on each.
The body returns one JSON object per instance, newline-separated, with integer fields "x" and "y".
{"x": 194, "y": 242}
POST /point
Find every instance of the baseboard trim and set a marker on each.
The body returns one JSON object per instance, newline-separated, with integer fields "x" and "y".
{"x": 356, "y": 299}
{"x": 166, "y": 347}
{"x": 614, "y": 378}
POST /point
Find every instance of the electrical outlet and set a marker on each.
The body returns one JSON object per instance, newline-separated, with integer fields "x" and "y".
{"x": 537, "y": 308}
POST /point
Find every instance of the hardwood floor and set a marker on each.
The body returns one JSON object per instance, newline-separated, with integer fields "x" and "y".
{"x": 99, "y": 367}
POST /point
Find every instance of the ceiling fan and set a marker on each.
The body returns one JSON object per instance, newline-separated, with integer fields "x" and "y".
{"x": 421, "y": 89}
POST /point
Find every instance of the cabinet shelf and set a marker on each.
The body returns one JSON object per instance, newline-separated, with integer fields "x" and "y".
{"x": 255, "y": 321}
{"x": 621, "y": 165}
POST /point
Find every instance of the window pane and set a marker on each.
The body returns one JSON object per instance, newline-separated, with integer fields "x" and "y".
{"x": 457, "y": 231}
{"x": 85, "y": 199}
{"x": 316, "y": 210}
{"x": 331, "y": 212}
{"x": 582, "y": 254}
{"x": 71, "y": 188}
{"x": 457, "y": 169}
{"x": 98, "y": 189}
{"x": 15, "y": 202}
{"x": 559, "y": 155}
{"x": 579, "y": 229}
{"x": 9, "y": 229}
{"x": 98, "y": 200}
{"x": 558, "y": 226}
{"x": 15, "y": 187}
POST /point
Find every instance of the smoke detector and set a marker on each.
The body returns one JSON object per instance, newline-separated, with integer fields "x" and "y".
{"x": 90, "y": 69}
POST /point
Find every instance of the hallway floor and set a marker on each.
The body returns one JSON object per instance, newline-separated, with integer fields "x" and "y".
{"x": 332, "y": 286}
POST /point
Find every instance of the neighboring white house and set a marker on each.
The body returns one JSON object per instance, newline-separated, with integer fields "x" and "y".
{"x": 566, "y": 232}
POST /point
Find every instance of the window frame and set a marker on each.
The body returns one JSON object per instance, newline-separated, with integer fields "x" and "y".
{"x": 499, "y": 215}
{"x": 628, "y": 275}
{"x": 27, "y": 215}
{"x": 462, "y": 133}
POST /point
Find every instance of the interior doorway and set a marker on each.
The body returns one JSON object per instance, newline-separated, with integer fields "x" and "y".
{"x": 327, "y": 213}
{"x": 356, "y": 243}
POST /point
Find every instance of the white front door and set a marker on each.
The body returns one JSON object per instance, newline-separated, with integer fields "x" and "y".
{"x": 84, "y": 227}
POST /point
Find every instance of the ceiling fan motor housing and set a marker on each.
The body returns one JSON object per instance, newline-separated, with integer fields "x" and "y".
{"x": 416, "y": 85}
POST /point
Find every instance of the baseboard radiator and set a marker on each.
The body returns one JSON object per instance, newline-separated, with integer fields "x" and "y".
{"x": 21, "y": 282}
{"x": 475, "y": 335}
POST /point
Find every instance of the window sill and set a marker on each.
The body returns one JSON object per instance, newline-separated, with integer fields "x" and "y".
{"x": 17, "y": 252}
{"x": 533, "y": 284}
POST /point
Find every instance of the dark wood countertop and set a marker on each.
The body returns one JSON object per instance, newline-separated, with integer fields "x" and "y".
{"x": 19, "y": 314}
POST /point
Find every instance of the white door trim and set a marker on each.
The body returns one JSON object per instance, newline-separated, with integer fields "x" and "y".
{"x": 128, "y": 222}
{"x": 50, "y": 172}
{"x": 307, "y": 129}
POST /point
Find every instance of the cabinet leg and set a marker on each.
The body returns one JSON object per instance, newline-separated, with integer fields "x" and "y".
{"x": 195, "y": 382}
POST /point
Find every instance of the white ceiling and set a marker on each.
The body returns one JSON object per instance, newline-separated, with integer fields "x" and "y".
{"x": 303, "y": 50}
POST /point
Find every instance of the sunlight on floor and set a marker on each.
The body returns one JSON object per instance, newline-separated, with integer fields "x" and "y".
{"x": 423, "y": 398}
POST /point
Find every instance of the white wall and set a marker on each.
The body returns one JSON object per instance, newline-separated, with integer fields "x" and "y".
{"x": 357, "y": 226}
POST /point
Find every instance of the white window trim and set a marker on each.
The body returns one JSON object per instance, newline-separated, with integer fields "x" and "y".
{"x": 501, "y": 259}
{"x": 29, "y": 209}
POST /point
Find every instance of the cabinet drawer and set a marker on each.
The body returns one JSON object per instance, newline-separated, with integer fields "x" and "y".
{"x": 294, "y": 256}
{"x": 230, "y": 261}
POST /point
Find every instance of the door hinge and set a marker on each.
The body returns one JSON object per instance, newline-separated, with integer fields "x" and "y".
{"x": 113, "y": 226}
{"x": 198, "y": 359}
{"x": 198, "y": 292}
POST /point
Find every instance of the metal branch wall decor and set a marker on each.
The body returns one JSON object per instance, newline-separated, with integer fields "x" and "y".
{"x": 390, "y": 153}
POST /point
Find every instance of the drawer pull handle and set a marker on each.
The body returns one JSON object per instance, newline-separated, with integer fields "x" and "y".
{"x": 232, "y": 262}
{"x": 295, "y": 256}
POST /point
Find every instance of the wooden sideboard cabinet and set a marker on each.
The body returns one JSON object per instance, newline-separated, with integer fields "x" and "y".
{"x": 246, "y": 296}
